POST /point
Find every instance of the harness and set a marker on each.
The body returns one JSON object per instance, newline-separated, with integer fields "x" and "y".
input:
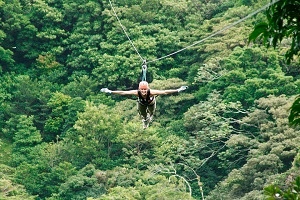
{"x": 148, "y": 100}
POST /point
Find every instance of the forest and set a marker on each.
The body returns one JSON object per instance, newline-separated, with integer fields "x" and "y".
{"x": 229, "y": 136}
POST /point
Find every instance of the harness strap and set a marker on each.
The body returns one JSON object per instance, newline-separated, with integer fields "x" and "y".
{"x": 144, "y": 70}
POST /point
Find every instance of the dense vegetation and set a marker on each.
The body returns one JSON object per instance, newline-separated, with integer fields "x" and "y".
{"x": 226, "y": 137}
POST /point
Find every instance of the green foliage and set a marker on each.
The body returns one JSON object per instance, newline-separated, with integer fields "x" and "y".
{"x": 292, "y": 193}
{"x": 6, "y": 60}
{"x": 80, "y": 186}
{"x": 210, "y": 124}
{"x": 5, "y": 97}
{"x": 131, "y": 184}
{"x": 46, "y": 168}
{"x": 49, "y": 69}
{"x": 94, "y": 136}
{"x": 42, "y": 179}
{"x": 295, "y": 112}
{"x": 85, "y": 24}
{"x": 81, "y": 87}
{"x": 246, "y": 75}
{"x": 26, "y": 134}
{"x": 174, "y": 105}
{"x": 25, "y": 138}
{"x": 62, "y": 116}
{"x": 29, "y": 97}
{"x": 172, "y": 148}
{"x": 138, "y": 145}
{"x": 8, "y": 188}
{"x": 280, "y": 24}
{"x": 63, "y": 139}
{"x": 58, "y": 104}
{"x": 270, "y": 153}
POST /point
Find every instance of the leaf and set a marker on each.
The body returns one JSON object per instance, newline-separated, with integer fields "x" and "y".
{"x": 294, "y": 117}
{"x": 259, "y": 29}
{"x": 272, "y": 192}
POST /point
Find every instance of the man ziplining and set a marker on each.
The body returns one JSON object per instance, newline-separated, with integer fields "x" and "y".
{"x": 146, "y": 103}
{"x": 146, "y": 97}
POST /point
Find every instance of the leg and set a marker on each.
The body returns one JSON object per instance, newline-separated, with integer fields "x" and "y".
{"x": 142, "y": 110}
{"x": 151, "y": 109}
{"x": 143, "y": 113}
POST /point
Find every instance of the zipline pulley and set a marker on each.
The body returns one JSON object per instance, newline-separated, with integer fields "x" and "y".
{"x": 144, "y": 70}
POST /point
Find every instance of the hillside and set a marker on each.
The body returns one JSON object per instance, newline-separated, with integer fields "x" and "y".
{"x": 226, "y": 137}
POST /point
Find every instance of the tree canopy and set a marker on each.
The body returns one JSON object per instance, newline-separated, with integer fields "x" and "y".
{"x": 228, "y": 136}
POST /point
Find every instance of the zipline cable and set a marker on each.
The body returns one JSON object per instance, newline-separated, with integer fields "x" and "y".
{"x": 125, "y": 31}
{"x": 216, "y": 33}
{"x": 200, "y": 41}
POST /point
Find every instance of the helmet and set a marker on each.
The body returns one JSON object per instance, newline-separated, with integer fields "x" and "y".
{"x": 143, "y": 85}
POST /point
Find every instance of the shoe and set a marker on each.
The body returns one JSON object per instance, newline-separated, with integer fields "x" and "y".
{"x": 150, "y": 118}
{"x": 145, "y": 123}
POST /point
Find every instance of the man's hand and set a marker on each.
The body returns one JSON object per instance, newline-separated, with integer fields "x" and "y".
{"x": 106, "y": 90}
{"x": 182, "y": 88}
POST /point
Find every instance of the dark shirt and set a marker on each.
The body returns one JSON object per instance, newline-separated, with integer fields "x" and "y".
{"x": 149, "y": 100}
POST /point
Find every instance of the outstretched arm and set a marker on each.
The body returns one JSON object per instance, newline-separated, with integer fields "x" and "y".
{"x": 128, "y": 92}
{"x": 158, "y": 92}
{"x": 121, "y": 92}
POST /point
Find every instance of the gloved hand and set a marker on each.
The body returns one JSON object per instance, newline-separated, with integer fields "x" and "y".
{"x": 106, "y": 90}
{"x": 182, "y": 88}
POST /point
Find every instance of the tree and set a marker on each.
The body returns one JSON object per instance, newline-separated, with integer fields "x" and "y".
{"x": 210, "y": 124}
{"x": 58, "y": 104}
{"x": 269, "y": 152}
{"x": 294, "y": 117}
{"x": 247, "y": 74}
{"x": 80, "y": 186}
{"x": 9, "y": 189}
{"x": 83, "y": 86}
{"x": 26, "y": 38}
{"x": 26, "y": 137}
{"x": 30, "y": 97}
{"x": 282, "y": 23}
{"x": 6, "y": 86}
{"x": 6, "y": 60}
{"x": 138, "y": 145}
{"x": 62, "y": 115}
{"x": 56, "y": 53}
{"x": 46, "y": 168}
{"x": 94, "y": 137}
{"x": 125, "y": 183}
{"x": 273, "y": 192}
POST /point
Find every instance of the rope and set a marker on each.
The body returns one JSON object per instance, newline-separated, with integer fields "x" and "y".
{"x": 216, "y": 33}
{"x": 125, "y": 30}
